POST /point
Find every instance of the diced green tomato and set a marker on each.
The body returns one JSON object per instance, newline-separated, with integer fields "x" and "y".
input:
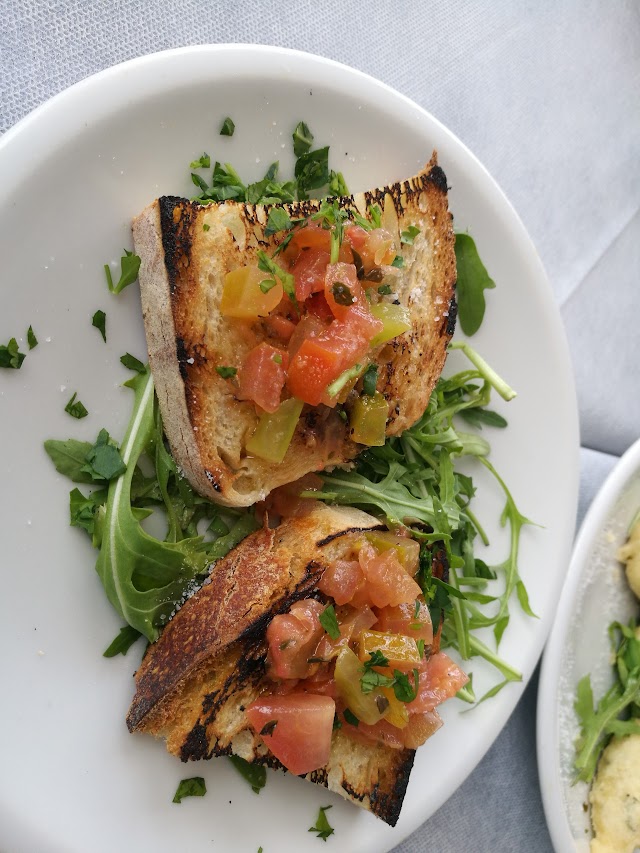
{"x": 395, "y": 319}
{"x": 272, "y": 437}
{"x": 407, "y": 549}
{"x": 242, "y": 296}
{"x": 366, "y": 706}
{"x": 369, "y": 420}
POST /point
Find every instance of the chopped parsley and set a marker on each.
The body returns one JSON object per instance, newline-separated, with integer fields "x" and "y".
{"x": 99, "y": 321}
{"x": 350, "y": 717}
{"x": 31, "y": 338}
{"x": 398, "y": 262}
{"x": 370, "y": 380}
{"x": 372, "y": 679}
{"x": 10, "y": 355}
{"x": 278, "y": 220}
{"x": 129, "y": 268}
{"x": 329, "y": 622}
{"x": 228, "y": 127}
{"x": 132, "y": 363}
{"x": 203, "y": 162}
{"x": 384, "y": 289}
{"x": 409, "y": 235}
{"x": 103, "y": 461}
{"x": 76, "y": 408}
{"x": 205, "y": 226}
{"x": 267, "y": 264}
{"x": 302, "y": 139}
{"x": 226, "y": 372}
{"x": 194, "y": 787}
{"x": 254, "y": 774}
{"x": 322, "y": 825}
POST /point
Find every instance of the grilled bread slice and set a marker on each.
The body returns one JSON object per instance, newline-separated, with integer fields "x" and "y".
{"x": 210, "y": 661}
{"x": 186, "y": 250}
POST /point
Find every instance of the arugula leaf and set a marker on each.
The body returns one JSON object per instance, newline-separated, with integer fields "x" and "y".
{"x": 76, "y": 408}
{"x": 194, "y": 787}
{"x": 203, "y": 162}
{"x": 473, "y": 280}
{"x": 69, "y": 458}
{"x": 302, "y": 139}
{"x": 322, "y": 825}
{"x": 132, "y": 363}
{"x": 99, "y": 320}
{"x": 129, "y": 268}
{"x": 254, "y": 774}
{"x": 122, "y": 643}
{"x": 228, "y": 127}
{"x": 478, "y": 417}
{"x": 31, "y": 338}
{"x": 83, "y": 511}
{"x": 10, "y": 355}
{"x": 329, "y": 622}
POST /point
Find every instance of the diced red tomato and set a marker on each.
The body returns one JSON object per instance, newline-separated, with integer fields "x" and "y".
{"x": 352, "y": 623}
{"x": 419, "y": 728}
{"x": 357, "y": 237}
{"x": 309, "y": 272}
{"x": 317, "y": 305}
{"x": 301, "y": 736}
{"x": 342, "y": 277}
{"x": 280, "y": 327}
{"x": 312, "y": 368}
{"x": 312, "y": 237}
{"x": 440, "y": 680}
{"x": 322, "y": 683}
{"x": 286, "y": 502}
{"x": 310, "y": 326}
{"x": 292, "y": 638}
{"x": 341, "y": 580}
{"x": 403, "y": 619}
{"x": 388, "y": 582}
{"x": 262, "y": 376}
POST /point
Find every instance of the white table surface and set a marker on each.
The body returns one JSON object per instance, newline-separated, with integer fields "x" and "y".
{"x": 547, "y": 95}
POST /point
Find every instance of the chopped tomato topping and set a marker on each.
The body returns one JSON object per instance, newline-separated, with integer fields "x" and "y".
{"x": 296, "y": 728}
{"x": 312, "y": 237}
{"x": 342, "y": 289}
{"x": 262, "y": 376}
{"x": 312, "y": 368}
{"x": 404, "y": 619}
{"x": 309, "y": 272}
{"x": 352, "y": 622}
{"x": 357, "y": 236}
{"x": 440, "y": 680}
{"x": 286, "y": 502}
{"x": 341, "y": 580}
{"x": 317, "y": 306}
{"x": 388, "y": 582}
{"x": 280, "y": 327}
{"x": 292, "y": 638}
{"x": 419, "y": 728}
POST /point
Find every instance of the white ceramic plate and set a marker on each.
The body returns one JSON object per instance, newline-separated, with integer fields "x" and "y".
{"x": 595, "y": 594}
{"x": 72, "y": 175}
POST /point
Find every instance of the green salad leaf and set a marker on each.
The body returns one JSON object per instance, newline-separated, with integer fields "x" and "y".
{"x": 122, "y": 643}
{"x": 322, "y": 826}
{"x": 76, "y": 408}
{"x": 10, "y": 355}
{"x": 254, "y": 774}
{"x": 473, "y": 280}
{"x": 617, "y": 713}
{"x": 194, "y": 787}
{"x": 31, "y": 338}
{"x": 99, "y": 321}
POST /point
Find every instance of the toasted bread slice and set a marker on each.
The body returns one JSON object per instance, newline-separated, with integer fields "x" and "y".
{"x": 210, "y": 661}
{"x": 186, "y": 251}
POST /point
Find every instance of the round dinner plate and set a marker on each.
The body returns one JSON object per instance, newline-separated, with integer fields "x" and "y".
{"x": 73, "y": 174}
{"x": 595, "y": 594}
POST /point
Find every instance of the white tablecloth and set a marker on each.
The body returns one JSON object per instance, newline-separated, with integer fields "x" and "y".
{"x": 547, "y": 95}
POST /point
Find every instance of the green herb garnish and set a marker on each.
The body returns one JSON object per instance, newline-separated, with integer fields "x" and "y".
{"x": 473, "y": 280}
{"x": 370, "y": 380}
{"x": 346, "y": 376}
{"x": 203, "y": 162}
{"x": 75, "y": 408}
{"x": 342, "y": 293}
{"x": 31, "y": 338}
{"x": 10, "y": 355}
{"x": 99, "y": 321}
{"x": 322, "y": 825}
{"x": 278, "y": 220}
{"x": 103, "y": 461}
{"x": 226, "y": 372}
{"x": 337, "y": 184}
{"x": 129, "y": 268}
{"x": 350, "y": 717}
{"x": 398, "y": 262}
{"x": 329, "y": 622}
{"x": 409, "y": 235}
{"x": 132, "y": 363}
{"x": 123, "y": 642}
{"x": 385, "y": 290}
{"x": 302, "y": 139}
{"x": 617, "y": 713}
{"x": 254, "y": 774}
{"x": 228, "y": 127}
{"x": 194, "y": 787}
{"x": 311, "y": 171}
{"x": 267, "y": 264}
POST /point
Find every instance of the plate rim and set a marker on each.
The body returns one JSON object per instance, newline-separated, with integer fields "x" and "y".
{"x": 591, "y": 527}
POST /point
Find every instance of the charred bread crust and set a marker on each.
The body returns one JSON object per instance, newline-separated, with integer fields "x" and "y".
{"x": 210, "y": 661}
{"x": 181, "y": 277}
